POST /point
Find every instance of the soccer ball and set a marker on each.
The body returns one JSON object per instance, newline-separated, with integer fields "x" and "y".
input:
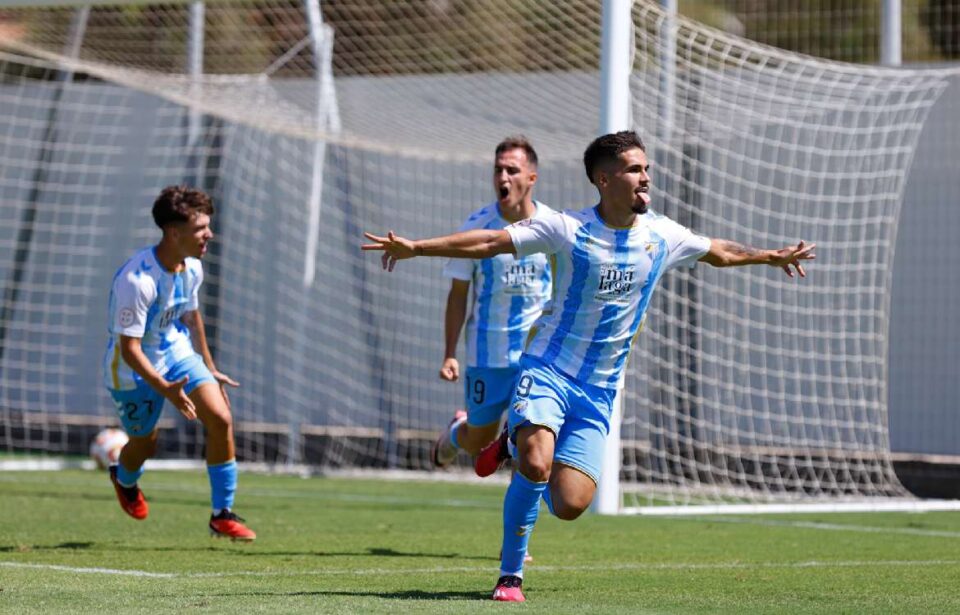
{"x": 105, "y": 447}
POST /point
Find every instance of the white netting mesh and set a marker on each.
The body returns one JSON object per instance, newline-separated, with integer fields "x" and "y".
{"x": 744, "y": 384}
{"x": 757, "y": 385}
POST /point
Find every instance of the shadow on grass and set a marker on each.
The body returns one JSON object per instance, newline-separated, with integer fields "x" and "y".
{"x": 163, "y": 498}
{"x": 72, "y": 546}
{"x": 413, "y": 594}
{"x": 250, "y": 550}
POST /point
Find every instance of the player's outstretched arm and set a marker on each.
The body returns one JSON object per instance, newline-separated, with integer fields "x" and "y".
{"x": 725, "y": 253}
{"x": 468, "y": 244}
{"x": 133, "y": 355}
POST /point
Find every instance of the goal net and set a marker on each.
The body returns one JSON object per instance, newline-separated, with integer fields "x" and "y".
{"x": 749, "y": 386}
{"x": 312, "y": 122}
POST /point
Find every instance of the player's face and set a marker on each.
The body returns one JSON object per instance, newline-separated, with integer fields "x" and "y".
{"x": 194, "y": 235}
{"x": 513, "y": 178}
{"x": 628, "y": 182}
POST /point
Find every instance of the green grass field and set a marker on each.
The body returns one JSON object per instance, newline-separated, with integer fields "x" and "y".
{"x": 365, "y": 546}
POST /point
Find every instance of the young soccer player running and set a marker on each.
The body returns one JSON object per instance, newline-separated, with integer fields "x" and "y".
{"x": 608, "y": 259}
{"x": 158, "y": 351}
{"x": 508, "y": 295}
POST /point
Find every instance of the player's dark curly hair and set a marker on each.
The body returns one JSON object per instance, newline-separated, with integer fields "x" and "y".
{"x": 518, "y": 142}
{"x": 607, "y": 148}
{"x": 180, "y": 203}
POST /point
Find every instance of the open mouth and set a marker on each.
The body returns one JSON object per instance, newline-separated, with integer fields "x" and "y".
{"x": 504, "y": 191}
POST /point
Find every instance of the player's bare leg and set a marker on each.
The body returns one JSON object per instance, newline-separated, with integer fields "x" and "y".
{"x": 473, "y": 438}
{"x": 571, "y": 492}
{"x": 214, "y": 413}
{"x": 459, "y": 435}
{"x": 217, "y": 421}
{"x": 125, "y": 475}
{"x": 137, "y": 450}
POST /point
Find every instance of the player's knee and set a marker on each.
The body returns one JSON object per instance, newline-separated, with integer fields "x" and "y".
{"x": 145, "y": 449}
{"x": 219, "y": 422}
{"x": 568, "y": 511}
{"x": 535, "y": 467}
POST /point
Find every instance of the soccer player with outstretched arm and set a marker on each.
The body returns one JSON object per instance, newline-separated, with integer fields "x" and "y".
{"x": 608, "y": 259}
{"x": 158, "y": 351}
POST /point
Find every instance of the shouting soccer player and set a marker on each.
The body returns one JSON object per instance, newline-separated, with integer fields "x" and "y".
{"x": 158, "y": 351}
{"x": 508, "y": 296}
{"x": 608, "y": 259}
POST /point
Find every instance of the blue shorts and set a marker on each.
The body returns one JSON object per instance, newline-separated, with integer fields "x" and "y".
{"x": 139, "y": 408}
{"x": 577, "y": 413}
{"x": 488, "y": 391}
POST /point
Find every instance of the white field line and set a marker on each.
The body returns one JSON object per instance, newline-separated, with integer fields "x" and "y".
{"x": 832, "y": 527}
{"x": 107, "y": 571}
{"x": 650, "y": 567}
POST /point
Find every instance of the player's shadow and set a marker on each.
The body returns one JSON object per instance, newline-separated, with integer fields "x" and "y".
{"x": 251, "y": 550}
{"x": 413, "y": 594}
{"x": 72, "y": 546}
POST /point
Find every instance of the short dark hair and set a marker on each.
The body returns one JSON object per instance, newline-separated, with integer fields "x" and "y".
{"x": 180, "y": 203}
{"x": 608, "y": 147}
{"x": 518, "y": 142}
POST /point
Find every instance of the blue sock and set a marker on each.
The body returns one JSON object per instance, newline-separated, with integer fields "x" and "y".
{"x": 223, "y": 484}
{"x": 520, "y": 508}
{"x": 548, "y": 500}
{"x": 126, "y": 478}
{"x": 453, "y": 434}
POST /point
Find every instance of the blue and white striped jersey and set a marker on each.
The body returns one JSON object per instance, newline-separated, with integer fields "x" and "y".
{"x": 147, "y": 301}
{"x": 508, "y": 294}
{"x": 604, "y": 278}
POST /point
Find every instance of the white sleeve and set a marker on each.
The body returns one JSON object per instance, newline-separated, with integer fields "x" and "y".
{"x": 543, "y": 234}
{"x": 684, "y": 247}
{"x": 133, "y": 295}
{"x": 194, "y": 303}
{"x": 461, "y": 268}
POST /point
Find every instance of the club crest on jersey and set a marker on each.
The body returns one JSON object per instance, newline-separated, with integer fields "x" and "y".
{"x": 616, "y": 281}
{"x": 125, "y": 317}
{"x": 520, "y": 406}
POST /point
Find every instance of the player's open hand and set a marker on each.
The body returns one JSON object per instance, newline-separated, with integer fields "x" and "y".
{"x": 792, "y": 255}
{"x": 175, "y": 394}
{"x": 450, "y": 370}
{"x": 394, "y": 247}
{"x": 225, "y": 381}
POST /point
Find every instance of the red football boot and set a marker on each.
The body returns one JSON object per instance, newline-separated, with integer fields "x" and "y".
{"x": 131, "y": 498}
{"x": 492, "y": 456}
{"x": 508, "y": 589}
{"x": 228, "y": 525}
